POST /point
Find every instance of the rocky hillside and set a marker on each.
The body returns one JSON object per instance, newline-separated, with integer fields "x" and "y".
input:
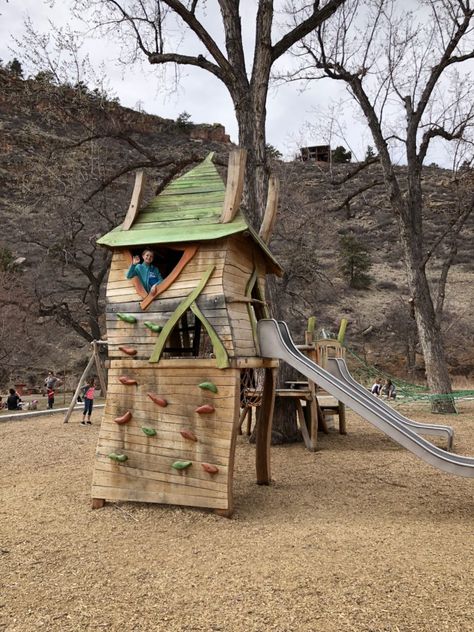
{"x": 66, "y": 175}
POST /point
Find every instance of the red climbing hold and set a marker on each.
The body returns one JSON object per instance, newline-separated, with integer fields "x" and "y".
{"x": 158, "y": 400}
{"x": 205, "y": 409}
{"x": 210, "y": 469}
{"x": 124, "y": 419}
{"x": 128, "y": 381}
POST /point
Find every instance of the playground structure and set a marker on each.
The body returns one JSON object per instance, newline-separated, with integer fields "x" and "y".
{"x": 178, "y": 353}
{"x": 312, "y": 404}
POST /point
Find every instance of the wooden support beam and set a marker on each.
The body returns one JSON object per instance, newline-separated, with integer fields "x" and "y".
{"x": 235, "y": 185}
{"x": 135, "y": 201}
{"x": 263, "y": 430}
{"x": 342, "y": 331}
{"x": 266, "y": 229}
{"x": 78, "y": 388}
{"x": 99, "y": 369}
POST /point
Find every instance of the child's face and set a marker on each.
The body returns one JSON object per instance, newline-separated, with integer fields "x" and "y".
{"x": 148, "y": 257}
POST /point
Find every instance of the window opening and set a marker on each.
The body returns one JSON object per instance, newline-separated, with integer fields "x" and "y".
{"x": 188, "y": 338}
{"x": 165, "y": 259}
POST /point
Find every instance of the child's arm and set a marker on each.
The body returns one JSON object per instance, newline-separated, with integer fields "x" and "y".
{"x": 132, "y": 271}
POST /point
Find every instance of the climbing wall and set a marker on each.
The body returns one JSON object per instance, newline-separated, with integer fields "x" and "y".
{"x": 168, "y": 433}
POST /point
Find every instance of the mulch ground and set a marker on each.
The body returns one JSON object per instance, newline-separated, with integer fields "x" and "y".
{"x": 359, "y": 536}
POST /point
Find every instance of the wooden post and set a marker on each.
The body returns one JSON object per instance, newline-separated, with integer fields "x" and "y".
{"x": 342, "y": 419}
{"x": 311, "y": 328}
{"x": 135, "y": 201}
{"x": 263, "y": 430}
{"x": 98, "y": 365}
{"x": 235, "y": 185}
{"x": 342, "y": 331}
{"x": 266, "y": 229}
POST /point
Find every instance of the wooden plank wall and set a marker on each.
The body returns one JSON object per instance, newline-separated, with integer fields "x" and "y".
{"x": 241, "y": 259}
{"x": 148, "y": 475}
{"x": 122, "y": 297}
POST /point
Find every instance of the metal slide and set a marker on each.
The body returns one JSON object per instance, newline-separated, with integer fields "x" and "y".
{"x": 338, "y": 368}
{"x": 275, "y": 342}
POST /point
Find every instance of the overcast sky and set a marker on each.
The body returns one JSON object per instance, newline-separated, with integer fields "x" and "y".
{"x": 290, "y": 111}
{"x": 199, "y": 93}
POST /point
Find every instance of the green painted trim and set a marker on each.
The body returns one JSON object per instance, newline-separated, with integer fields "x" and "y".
{"x": 222, "y": 359}
{"x": 178, "y": 312}
{"x": 342, "y": 331}
{"x": 166, "y": 234}
{"x": 311, "y": 327}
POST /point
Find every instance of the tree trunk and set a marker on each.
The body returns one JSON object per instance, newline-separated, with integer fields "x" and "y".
{"x": 429, "y": 333}
{"x": 252, "y": 137}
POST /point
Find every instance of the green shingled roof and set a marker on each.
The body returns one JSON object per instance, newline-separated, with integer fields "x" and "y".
{"x": 188, "y": 209}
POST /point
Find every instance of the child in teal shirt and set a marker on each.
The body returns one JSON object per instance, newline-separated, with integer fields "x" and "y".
{"x": 148, "y": 274}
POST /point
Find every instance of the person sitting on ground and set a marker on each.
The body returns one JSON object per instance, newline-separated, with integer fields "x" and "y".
{"x": 2, "y": 403}
{"x": 389, "y": 390}
{"x": 14, "y": 401}
{"x": 148, "y": 274}
{"x": 376, "y": 387}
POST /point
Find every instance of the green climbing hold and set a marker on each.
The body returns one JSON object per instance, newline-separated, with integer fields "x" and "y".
{"x": 181, "y": 465}
{"x": 128, "y": 318}
{"x": 150, "y": 432}
{"x": 209, "y": 386}
{"x": 121, "y": 458}
{"x": 153, "y": 326}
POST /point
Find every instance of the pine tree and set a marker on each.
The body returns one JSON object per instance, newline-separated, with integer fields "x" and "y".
{"x": 355, "y": 262}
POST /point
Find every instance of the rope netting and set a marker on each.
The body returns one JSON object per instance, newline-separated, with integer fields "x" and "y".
{"x": 365, "y": 374}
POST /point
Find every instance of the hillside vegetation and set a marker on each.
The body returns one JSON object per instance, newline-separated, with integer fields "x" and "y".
{"x": 66, "y": 176}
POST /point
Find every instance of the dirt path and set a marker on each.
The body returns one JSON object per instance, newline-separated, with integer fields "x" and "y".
{"x": 360, "y": 536}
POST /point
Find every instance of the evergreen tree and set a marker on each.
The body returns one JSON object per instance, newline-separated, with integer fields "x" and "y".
{"x": 355, "y": 262}
{"x": 340, "y": 155}
{"x": 370, "y": 153}
{"x": 14, "y": 67}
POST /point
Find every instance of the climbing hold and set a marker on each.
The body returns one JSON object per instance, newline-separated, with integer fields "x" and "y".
{"x": 188, "y": 434}
{"x": 128, "y": 318}
{"x": 121, "y": 458}
{"x": 210, "y": 469}
{"x": 150, "y": 432}
{"x": 158, "y": 400}
{"x": 209, "y": 386}
{"x": 128, "y": 350}
{"x": 205, "y": 409}
{"x": 124, "y": 419}
{"x": 181, "y": 465}
{"x": 128, "y": 381}
{"x": 153, "y": 326}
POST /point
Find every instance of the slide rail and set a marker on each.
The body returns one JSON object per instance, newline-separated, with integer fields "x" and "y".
{"x": 276, "y": 342}
{"x": 338, "y": 368}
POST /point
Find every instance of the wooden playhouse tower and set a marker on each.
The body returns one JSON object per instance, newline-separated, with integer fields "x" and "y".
{"x": 171, "y": 416}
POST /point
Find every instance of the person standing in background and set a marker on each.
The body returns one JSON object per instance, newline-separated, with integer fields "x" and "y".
{"x": 89, "y": 392}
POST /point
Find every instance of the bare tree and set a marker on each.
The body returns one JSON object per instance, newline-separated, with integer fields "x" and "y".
{"x": 403, "y": 69}
{"x": 146, "y": 28}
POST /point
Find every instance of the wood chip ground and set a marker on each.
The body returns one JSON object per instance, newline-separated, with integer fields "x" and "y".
{"x": 360, "y": 536}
